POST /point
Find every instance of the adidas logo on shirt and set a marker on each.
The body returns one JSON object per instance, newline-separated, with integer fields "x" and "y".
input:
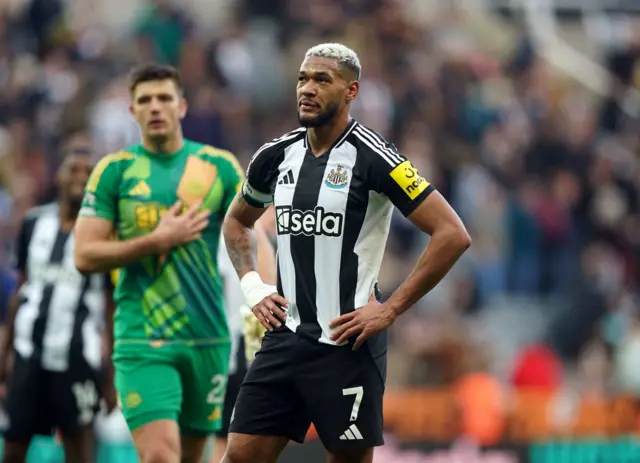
{"x": 141, "y": 189}
{"x": 287, "y": 179}
{"x": 352, "y": 433}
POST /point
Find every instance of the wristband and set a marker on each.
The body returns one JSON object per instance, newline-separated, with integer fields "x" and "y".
{"x": 254, "y": 289}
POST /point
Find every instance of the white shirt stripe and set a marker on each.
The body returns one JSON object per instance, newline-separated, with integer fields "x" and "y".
{"x": 379, "y": 142}
{"x": 384, "y": 153}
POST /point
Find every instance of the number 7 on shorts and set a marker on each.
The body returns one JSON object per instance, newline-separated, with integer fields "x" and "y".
{"x": 357, "y": 391}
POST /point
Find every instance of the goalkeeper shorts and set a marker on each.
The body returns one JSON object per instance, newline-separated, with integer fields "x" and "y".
{"x": 173, "y": 382}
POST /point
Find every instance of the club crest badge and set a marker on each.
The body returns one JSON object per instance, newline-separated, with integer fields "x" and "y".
{"x": 337, "y": 178}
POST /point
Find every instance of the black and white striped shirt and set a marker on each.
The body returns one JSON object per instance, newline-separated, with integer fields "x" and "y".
{"x": 60, "y": 316}
{"x": 333, "y": 214}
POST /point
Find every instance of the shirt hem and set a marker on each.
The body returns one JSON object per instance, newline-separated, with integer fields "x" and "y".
{"x": 175, "y": 342}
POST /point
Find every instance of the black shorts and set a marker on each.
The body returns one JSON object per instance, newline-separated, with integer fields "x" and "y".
{"x": 233, "y": 388}
{"x": 295, "y": 381}
{"x": 39, "y": 401}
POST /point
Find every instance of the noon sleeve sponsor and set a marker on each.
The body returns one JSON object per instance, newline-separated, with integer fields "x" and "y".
{"x": 407, "y": 177}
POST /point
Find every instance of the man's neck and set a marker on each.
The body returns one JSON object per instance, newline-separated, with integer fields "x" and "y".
{"x": 68, "y": 215}
{"x": 170, "y": 145}
{"x": 321, "y": 139}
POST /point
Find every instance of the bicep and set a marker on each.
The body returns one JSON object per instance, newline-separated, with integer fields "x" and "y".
{"x": 244, "y": 212}
{"x": 434, "y": 213}
{"x": 92, "y": 230}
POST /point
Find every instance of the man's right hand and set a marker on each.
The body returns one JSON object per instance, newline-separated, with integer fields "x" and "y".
{"x": 271, "y": 311}
{"x": 266, "y": 304}
{"x": 175, "y": 229}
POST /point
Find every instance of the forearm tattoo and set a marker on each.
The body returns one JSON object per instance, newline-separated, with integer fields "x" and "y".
{"x": 242, "y": 251}
{"x": 241, "y": 245}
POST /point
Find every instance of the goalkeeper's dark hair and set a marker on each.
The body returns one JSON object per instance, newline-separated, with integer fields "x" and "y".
{"x": 152, "y": 72}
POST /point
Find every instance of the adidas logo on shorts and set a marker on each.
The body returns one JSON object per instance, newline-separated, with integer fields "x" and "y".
{"x": 352, "y": 433}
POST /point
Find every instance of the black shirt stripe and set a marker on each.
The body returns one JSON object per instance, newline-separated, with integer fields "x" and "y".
{"x": 356, "y": 211}
{"x": 302, "y": 246}
{"x": 40, "y": 324}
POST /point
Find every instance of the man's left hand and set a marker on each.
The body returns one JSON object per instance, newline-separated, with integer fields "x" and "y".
{"x": 363, "y": 322}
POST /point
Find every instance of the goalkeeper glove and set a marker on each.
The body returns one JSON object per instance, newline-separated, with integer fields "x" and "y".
{"x": 252, "y": 331}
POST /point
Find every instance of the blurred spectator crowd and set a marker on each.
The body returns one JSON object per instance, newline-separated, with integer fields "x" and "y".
{"x": 543, "y": 172}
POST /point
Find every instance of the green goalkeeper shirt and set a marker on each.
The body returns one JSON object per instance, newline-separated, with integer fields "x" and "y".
{"x": 180, "y": 298}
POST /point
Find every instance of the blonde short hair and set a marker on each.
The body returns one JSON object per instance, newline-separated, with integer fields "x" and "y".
{"x": 344, "y": 55}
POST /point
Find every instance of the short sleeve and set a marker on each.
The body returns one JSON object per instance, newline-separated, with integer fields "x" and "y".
{"x": 263, "y": 169}
{"x": 101, "y": 195}
{"x": 396, "y": 178}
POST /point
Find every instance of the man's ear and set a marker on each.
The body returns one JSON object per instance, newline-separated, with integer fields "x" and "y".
{"x": 184, "y": 106}
{"x": 352, "y": 91}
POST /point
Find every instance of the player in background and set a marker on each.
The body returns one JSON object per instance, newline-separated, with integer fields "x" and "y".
{"x": 54, "y": 328}
{"x": 334, "y": 184}
{"x": 245, "y": 335}
{"x": 165, "y": 198}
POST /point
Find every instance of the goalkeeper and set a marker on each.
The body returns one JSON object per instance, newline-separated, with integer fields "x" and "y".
{"x": 246, "y": 330}
{"x": 165, "y": 199}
